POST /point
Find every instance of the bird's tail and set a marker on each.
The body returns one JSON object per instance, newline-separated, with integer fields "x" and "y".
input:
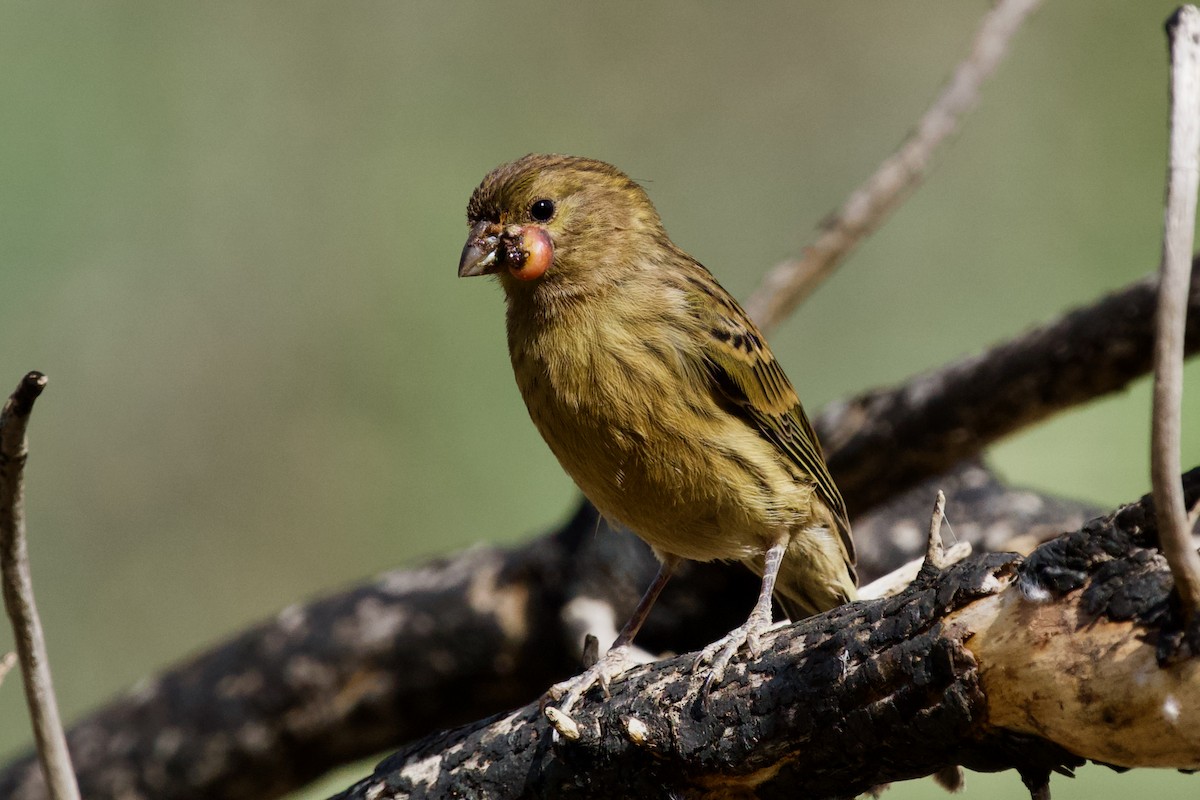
{"x": 816, "y": 574}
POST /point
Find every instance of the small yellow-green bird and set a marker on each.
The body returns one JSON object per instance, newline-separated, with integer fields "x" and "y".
{"x": 657, "y": 393}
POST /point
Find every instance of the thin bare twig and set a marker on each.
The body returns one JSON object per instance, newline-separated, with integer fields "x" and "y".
{"x": 790, "y": 283}
{"x": 18, "y": 593}
{"x": 935, "y": 552}
{"x": 895, "y": 581}
{"x": 1183, "y": 31}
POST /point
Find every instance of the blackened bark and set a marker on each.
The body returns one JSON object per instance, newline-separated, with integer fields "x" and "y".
{"x": 340, "y": 678}
{"x": 865, "y": 694}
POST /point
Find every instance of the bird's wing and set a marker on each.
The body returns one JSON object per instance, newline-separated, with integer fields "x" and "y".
{"x": 746, "y": 375}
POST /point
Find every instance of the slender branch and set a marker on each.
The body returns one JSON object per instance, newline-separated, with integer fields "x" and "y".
{"x": 1183, "y": 31}
{"x": 18, "y": 593}
{"x": 789, "y": 283}
{"x": 936, "y": 557}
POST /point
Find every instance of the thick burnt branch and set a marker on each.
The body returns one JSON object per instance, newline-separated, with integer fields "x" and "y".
{"x": 297, "y": 696}
{"x": 886, "y": 440}
{"x": 865, "y": 694}
{"x": 990, "y": 664}
{"x": 456, "y": 640}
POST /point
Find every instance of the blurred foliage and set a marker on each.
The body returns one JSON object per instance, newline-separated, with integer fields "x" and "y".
{"x": 228, "y": 233}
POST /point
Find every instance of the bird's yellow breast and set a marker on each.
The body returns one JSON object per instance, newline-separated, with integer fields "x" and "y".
{"x": 622, "y": 402}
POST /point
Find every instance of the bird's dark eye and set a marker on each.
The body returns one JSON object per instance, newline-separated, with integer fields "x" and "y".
{"x": 542, "y": 210}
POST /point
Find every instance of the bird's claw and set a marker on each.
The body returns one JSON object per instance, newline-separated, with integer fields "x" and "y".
{"x": 612, "y": 664}
{"x": 566, "y": 727}
{"x": 720, "y": 653}
{"x": 717, "y": 656}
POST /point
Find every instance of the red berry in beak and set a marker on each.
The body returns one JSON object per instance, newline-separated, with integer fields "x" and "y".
{"x": 536, "y": 254}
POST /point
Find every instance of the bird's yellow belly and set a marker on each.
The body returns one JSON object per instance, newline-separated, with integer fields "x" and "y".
{"x": 717, "y": 493}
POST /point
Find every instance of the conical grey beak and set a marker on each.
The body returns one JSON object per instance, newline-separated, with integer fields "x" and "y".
{"x": 479, "y": 253}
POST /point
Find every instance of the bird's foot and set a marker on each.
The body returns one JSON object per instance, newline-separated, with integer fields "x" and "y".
{"x": 611, "y": 665}
{"x": 718, "y": 654}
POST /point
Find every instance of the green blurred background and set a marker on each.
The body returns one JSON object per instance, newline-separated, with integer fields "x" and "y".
{"x": 229, "y": 232}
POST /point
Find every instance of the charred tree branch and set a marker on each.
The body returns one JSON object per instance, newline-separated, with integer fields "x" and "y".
{"x": 993, "y": 663}
{"x": 345, "y": 676}
{"x": 453, "y": 641}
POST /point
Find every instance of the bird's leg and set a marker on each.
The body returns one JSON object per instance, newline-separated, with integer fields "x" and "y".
{"x": 722, "y": 651}
{"x": 617, "y": 659}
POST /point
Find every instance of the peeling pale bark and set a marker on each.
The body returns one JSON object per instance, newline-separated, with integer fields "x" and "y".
{"x": 1090, "y": 685}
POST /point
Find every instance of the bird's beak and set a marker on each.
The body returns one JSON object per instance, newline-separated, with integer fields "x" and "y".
{"x": 479, "y": 256}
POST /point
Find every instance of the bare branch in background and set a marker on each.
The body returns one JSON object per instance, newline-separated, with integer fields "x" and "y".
{"x": 18, "y": 593}
{"x": 889, "y": 439}
{"x": 1183, "y": 31}
{"x": 790, "y": 283}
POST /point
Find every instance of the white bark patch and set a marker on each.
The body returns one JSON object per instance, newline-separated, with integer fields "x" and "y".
{"x": 1025, "y": 502}
{"x": 168, "y": 742}
{"x": 506, "y": 604}
{"x": 445, "y": 576}
{"x": 425, "y": 771}
{"x": 374, "y": 624}
{"x": 637, "y": 731}
{"x": 584, "y": 615}
{"x": 144, "y": 690}
{"x": 242, "y": 684}
{"x": 303, "y": 672}
{"x": 255, "y": 737}
{"x": 292, "y": 619}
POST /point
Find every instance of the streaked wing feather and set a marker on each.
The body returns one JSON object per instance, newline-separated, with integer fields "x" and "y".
{"x": 747, "y": 376}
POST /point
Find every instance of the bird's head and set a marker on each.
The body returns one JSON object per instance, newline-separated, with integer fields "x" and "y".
{"x": 559, "y": 221}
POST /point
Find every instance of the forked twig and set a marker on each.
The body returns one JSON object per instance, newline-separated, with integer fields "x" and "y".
{"x": 936, "y": 558}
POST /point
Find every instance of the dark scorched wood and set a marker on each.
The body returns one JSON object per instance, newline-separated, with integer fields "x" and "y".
{"x": 866, "y": 694}
{"x": 1116, "y": 560}
{"x": 201, "y": 730}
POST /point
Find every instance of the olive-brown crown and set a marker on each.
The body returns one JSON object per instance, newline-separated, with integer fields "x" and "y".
{"x": 593, "y": 204}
